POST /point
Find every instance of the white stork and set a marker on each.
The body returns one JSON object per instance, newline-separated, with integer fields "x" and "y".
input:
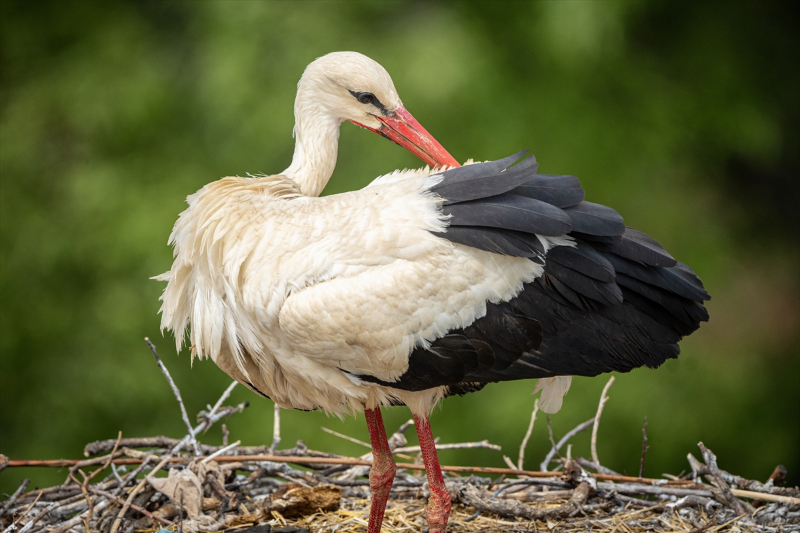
{"x": 425, "y": 283}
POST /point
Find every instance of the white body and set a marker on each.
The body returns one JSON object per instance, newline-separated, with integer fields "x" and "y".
{"x": 286, "y": 292}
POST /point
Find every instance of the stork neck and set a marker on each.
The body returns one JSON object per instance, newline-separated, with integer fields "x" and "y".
{"x": 315, "y": 150}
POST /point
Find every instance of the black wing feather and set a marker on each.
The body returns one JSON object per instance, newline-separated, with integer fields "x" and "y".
{"x": 670, "y": 279}
{"x": 585, "y": 259}
{"x": 560, "y": 191}
{"x": 605, "y": 293}
{"x": 494, "y": 240}
{"x": 614, "y": 302}
{"x": 595, "y": 219}
{"x": 510, "y": 211}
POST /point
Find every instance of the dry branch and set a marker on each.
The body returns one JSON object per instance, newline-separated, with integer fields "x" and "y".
{"x": 470, "y": 495}
{"x": 715, "y": 477}
{"x": 13, "y": 498}
{"x": 554, "y": 449}
{"x": 699, "y": 469}
{"x": 645, "y": 447}
{"x": 177, "y": 394}
{"x": 524, "y": 444}
{"x": 596, "y": 426}
{"x": 309, "y": 460}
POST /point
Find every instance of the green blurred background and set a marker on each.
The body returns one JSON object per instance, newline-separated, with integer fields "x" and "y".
{"x": 682, "y": 116}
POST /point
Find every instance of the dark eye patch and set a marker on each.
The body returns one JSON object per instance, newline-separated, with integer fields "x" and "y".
{"x": 368, "y": 98}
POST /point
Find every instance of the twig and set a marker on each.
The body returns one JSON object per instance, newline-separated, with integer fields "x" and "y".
{"x": 362, "y": 443}
{"x": 89, "y": 501}
{"x": 526, "y": 438}
{"x": 107, "y": 463}
{"x": 645, "y": 447}
{"x": 527, "y": 496}
{"x": 715, "y": 477}
{"x": 484, "y": 444}
{"x": 311, "y": 460}
{"x": 222, "y": 398}
{"x": 177, "y": 393}
{"x": 208, "y": 420}
{"x": 12, "y": 527}
{"x": 345, "y": 437}
{"x": 276, "y": 429}
{"x": 225, "y": 434}
{"x": 550, "y": 435}
{"x": 72, "y": 522}
{"x": 641, "y": 488}
{"x": 720, "y": 526}
{"x": 132, "y": 506}
{"x": 100, "y": 446}
{"x": 220, "y": 452}
{"x": 116, "y": 473}
{"x": 600, "y": 469}
{"x": 398, "y": 438}
{"x": 470, "y": 495}
{"x": 507, "y": 460}
{"x": 134, "y": 492}
{"x": 699, "y": 469}
{"x": 13, "y": 499}
{"x": 553, "y": 450}
{"x": 50, "y": 493}
{"x": 777, "y": 477}
{"x": 93, "y": 461}
{"x": 132, "y": 476}
{"x": 775, "y": 498}
{"x": 603, "y": 400}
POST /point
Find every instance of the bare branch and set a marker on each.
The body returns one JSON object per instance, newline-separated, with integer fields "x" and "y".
{"x": 13, "y": 499}
{"x": 276, "y": 428}
{"x": 485, "y": 444}
{"x": 220, "y": 452}
{"x": 645, "y": 447}
{"x": 345, "y": 437}
{"x": 521, "y": 459}
{"x": 225, "y": 395}
{"x": 553, "y": 450}
{"x": 603, "y": 400}
{"x": 177, "y": 394}
{"x": 715, "y": 476}
{"x": 134, "y": 492}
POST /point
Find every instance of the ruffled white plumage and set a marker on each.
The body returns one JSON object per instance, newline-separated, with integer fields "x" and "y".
{"x": 288, "y": 293}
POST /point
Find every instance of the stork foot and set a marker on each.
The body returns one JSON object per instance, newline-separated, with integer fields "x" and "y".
{"x": 438, "y": 510}
{"x": 381, "y": 475}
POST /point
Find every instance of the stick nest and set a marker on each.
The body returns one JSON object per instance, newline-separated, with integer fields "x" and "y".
{"x": 233, "y": 488}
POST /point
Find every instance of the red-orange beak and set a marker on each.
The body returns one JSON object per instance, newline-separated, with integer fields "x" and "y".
{"x": 403, "y": 129}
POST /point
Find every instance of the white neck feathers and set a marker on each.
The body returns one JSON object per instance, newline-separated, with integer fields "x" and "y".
{"x": 316, "y": 135}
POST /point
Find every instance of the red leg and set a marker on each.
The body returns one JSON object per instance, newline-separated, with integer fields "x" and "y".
{"x": 438, "y": 510}
{"x": 381, "y": 475}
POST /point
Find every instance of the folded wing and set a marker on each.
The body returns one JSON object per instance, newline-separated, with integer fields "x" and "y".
{"x": 610, "y": 298}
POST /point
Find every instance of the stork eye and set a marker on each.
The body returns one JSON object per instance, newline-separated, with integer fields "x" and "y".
{"x": 366, "y": 98}
{"x": 369, "y": 98}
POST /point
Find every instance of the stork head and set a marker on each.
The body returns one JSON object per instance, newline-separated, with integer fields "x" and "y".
{"x": 351, "y": 86}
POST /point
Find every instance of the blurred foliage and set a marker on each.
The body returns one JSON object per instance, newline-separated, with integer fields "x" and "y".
{"x": 683, "y": 116}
